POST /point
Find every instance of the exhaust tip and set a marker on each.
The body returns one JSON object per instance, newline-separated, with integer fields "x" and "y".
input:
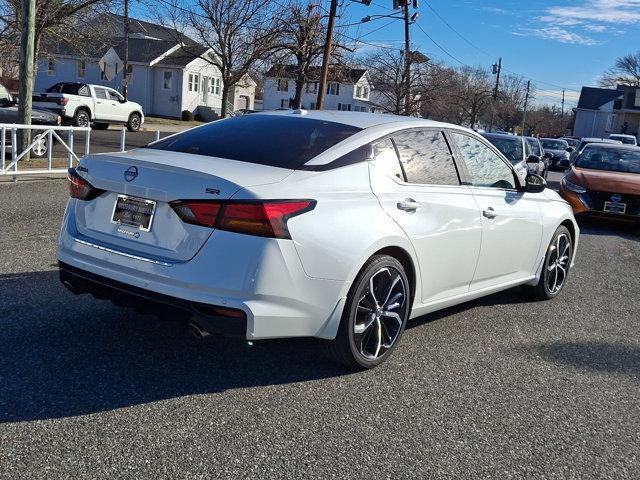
{"x": 198, "y": 331}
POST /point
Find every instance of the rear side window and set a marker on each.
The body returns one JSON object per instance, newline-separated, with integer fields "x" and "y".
{"x": 273, "y": 140}
{"x": 426, "y": 157}
{"x": 385, "y": 157}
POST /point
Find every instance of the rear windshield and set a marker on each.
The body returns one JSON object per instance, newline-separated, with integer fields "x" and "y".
{"x": 535, "y": 146}
{"x": 273, "y": 140}
{"x": 555, "y": 144}
{"x": 611, "y": 159}
{"x": 623, "y": 139}
{"x": 510, "y": 147}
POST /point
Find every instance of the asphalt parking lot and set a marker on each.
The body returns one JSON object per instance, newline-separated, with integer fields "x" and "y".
{"x": 498, "y": 388}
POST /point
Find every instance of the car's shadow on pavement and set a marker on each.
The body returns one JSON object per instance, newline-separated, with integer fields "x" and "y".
{"x": 629, "y": 230}
{"x": 590, "y": 355}
{"x": 64, "y": 356}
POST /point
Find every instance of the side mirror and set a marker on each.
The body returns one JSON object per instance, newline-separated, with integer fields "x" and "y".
{"x": 6, "y": 102}
{"x": 570, "y": 149}
{"x": 533, "y": 159}
{"x": 548, "y": 155}
{"x": 535, "y": 183}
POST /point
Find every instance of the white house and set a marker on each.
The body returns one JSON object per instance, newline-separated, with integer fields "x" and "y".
{"x": 347, "y": 89}
{"x": 167, "y": 72}
{"x": 597, "y": 110}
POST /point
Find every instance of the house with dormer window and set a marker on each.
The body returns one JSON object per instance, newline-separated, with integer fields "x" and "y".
{"x": 167, "y": 72}
{"x": 346, "y": 89}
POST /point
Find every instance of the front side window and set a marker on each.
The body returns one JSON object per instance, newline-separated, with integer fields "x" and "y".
{"x": 485, "y": 167}
{"x": 115, "y": 96}
{"x": 167, "y": 80}
{"x": 535, "y": 146}
{"x": 259, "y": 139}
{"x": 101, "y": 93}
{"x": 426, "y": 157}
{"x": 511, "y": 147}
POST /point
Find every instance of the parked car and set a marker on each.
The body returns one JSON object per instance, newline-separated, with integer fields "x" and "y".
{"x": 559, "y": 152}
{"x": 9, "y": 114}
{"x": 604, "y": 180}
{"x": 81, "y": 104}
{"x": 572, "y": 141}
{"x": 336, "y": 225}
{"x": 518, "y": 151}
{"x": 625, "y": 139}
{"x": 585, "y": 141}
{"x": 538, "y": 151}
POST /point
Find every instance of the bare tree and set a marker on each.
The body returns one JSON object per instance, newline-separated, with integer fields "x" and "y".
{"x": 301, "y": 37}
{"x": 388, "y": 76}
{"x": 625, "y": 71}
{"x": 232, "y": 35}
{"x": 509, "y": 104}
{"x": 471, "y": 93}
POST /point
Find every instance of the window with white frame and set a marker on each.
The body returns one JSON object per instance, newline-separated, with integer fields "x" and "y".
{"x": 216, "y": 84}
{"x": 359, "y": 91}
{"x": 284, "y": 103}
{"x": 312, "y": 87}
{"x": 51, "y": 66}
{"x": 365, "y": 93}
{"x": 167, "y": 80}
{"x": 194, "y": 82}
{"x": 333, "y": 88}
{"x": 283, "y": 85}
{"x": 344, "y": 106}
{"x": 81, "y": 68}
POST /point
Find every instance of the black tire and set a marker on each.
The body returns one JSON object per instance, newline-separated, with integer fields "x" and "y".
{"x": 544, "y": 290}
{"x": 134, "y": 123}
{"x": 348, "y": 346}
{"x": 82, "y": 118}
{"x": 101, "y": 126}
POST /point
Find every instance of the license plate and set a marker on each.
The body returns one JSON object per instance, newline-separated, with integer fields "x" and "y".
{"x": 134, "y": 212}
{"x": 615, "y": 207}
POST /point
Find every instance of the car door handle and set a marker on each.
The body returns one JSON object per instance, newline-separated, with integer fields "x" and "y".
{"x": 409, "y": 205}
{"x": 489, "y": 213}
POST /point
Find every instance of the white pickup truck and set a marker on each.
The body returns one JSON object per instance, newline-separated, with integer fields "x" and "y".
{"x": 82, "y": 105}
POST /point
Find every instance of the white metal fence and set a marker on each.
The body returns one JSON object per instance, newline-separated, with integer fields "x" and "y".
{"x": 43, "y": 138}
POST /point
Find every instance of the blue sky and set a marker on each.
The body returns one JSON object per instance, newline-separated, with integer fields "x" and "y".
{"x": 563, "y": 43}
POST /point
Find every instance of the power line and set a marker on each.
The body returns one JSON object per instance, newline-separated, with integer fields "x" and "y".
{"x": 444, "y": 50}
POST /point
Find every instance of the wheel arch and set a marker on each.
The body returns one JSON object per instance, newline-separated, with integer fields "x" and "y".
{"x": 407, "y": 263}
{"x": 86, "y": 109}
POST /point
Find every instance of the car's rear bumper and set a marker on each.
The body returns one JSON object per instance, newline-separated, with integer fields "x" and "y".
{"x": 213, "y": 318}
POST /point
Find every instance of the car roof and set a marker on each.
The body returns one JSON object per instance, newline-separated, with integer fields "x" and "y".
{"x": 613, "y": 146}
{"x": 599, "y": 140}
{"x": 500, "y": 135}
{"x": 360, "y": 119}
{"x": 621, "y": 135}
{"x": 562, "y": 139}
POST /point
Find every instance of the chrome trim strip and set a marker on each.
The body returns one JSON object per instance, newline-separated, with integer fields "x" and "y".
{"x": 123, "y": 254}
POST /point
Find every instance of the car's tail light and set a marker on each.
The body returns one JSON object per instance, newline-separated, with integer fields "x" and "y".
{"x": 63, "y": 101}
{"x": 81, "y": 189}
{"x": 263, "y": 218}
{"x": 198, "y": 213}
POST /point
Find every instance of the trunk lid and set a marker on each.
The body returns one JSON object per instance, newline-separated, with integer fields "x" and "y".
{"x": 161, "y": 177}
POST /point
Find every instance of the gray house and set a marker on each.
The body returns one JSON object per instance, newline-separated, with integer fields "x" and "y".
{"x": 597, "y": 114}
{"x": 166, "y": 75}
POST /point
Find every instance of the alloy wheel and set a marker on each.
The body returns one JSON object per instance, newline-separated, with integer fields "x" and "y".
{"x": 558, "y": 263}
{"x": 379, "y": 314}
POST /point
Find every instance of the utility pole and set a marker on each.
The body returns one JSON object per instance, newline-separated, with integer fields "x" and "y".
{"x": 27, "y": 46}
{"x": 526, "y": 102}
{"x": 562, "y": 115}
{"x": 407, "y": 59}
{"x": 326, "y": 56}
{"x": 497, "y": 68}
{"x": 125, "y": 80}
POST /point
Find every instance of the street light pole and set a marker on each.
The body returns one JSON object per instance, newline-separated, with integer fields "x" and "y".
{"x": 125, "y": 80}
{"x": 407, "y": 59}
{"x": 526, "y": 102}
{"x": 327, "y": 54}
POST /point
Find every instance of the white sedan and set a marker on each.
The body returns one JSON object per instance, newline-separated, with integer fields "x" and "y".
{"x": 335, "y": 225}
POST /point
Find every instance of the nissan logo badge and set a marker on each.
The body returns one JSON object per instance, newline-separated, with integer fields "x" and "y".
{"x": 616, "y": 198}
{"x": 130, "y": 174}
